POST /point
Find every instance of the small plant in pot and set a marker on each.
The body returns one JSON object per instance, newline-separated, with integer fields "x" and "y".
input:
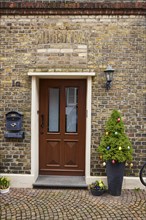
{"x": 115, "y": 149}
{"x": 4, "y": 184}
{"x": 97, "y": 188}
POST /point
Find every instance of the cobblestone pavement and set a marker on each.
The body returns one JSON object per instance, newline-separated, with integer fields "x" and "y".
{"x": 70, "y": 204}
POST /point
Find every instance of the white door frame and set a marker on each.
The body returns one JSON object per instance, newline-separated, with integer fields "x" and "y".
{"x": 35, "y": 119}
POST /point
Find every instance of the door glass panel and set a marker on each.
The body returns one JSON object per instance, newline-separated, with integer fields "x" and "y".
{"x": 71, "y": 110}
{"x": 53, "y": 110}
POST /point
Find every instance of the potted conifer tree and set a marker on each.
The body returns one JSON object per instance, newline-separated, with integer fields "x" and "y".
{"x": 115, "y": 149}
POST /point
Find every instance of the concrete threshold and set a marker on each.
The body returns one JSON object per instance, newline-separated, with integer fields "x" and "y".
{"x": 52, "y": 181}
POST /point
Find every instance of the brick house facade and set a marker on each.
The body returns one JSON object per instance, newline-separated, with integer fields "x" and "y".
{"x": 71, "y": 40}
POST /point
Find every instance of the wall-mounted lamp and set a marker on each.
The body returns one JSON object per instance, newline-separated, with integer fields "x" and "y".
{"x": 109, "y": 76}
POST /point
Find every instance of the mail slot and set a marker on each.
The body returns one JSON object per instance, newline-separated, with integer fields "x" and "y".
{"x": 14, "y": 125}
{"x": 13, "y": 121}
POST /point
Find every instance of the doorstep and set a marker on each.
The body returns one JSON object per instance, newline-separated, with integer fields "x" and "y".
{"x": 52, "y": 181}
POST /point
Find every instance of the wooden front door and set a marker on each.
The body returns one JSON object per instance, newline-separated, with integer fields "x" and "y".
{"x": 62, "y": 121}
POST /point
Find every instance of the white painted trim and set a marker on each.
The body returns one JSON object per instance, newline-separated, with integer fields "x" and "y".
{"x": 63, "y": 74}
{"x": 35, "y": 120}
{"x": 132, "y": 183}
{"x": 20, "y": 180}
{"x": 26, "y": 181}
{"x": 88, "y": 127}
{"x": 35, "y": 127}
{"x": 128, "y": 182}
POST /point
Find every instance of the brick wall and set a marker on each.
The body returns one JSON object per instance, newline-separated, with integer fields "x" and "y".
{"x": 76, "y": 43}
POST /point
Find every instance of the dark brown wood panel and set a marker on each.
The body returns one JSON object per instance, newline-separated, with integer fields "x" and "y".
{"x": 52, "y": 154}
{"x": 62, "y": 152}
{"x": 71, "y": 153}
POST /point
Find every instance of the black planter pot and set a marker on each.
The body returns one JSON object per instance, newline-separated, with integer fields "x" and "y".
{"x": 115, "y": 173}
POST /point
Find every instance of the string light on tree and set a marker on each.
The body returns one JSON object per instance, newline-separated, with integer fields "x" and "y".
{"x": 116, "y": 132}
{"x": 120, "y": 148}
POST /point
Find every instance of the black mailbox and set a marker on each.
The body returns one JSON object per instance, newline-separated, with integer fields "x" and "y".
{"x": 14, "y": 125}
{"x": 13, "y": 121}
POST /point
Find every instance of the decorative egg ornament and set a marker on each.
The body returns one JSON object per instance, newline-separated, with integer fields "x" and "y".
{"x": 104, "y": 164}
{"x": 118, "y": 119}
{"x": 131, "y": 165}
{"x": 108, "y": 148}
{"x": 113, "y": 161}
{"x": 120, "y": 148}
{"x": 100, "y": 157}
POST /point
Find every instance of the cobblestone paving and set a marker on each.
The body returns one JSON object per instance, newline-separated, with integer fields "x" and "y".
{"x": 68, "y": 204}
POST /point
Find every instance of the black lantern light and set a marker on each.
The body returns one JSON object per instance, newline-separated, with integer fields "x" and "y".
{"x": 109, "y": 76}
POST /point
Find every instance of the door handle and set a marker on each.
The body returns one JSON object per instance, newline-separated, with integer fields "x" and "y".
{"x": 42, "y": 121}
